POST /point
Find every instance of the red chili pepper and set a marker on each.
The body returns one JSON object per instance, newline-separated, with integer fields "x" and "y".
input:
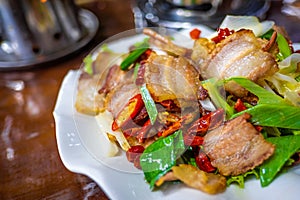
{"x": 132, "y": 108}
{"x": 133, "y": 152}
{"x": 222, "y": 34}
{"x": 141, "y": 133}
{"x": 204, "y": 163}
{"x": 207, "y": 122}
{"x": 193, "y": 140}
{"x": 200, "y": 126}
{"x": 195, "y": 34}
{"x": 258, "y": 128}
{"x": 171, "y": 129}
{"x": 170, "y": 105}
{"x": 239, "y": 105}
{"x": 145, "y": 55}
{"x": 217, "y": 118}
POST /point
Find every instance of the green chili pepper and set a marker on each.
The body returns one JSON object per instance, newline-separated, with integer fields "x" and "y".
{"x": 134, "y": 55}
{"x": 149, "y": 103}
{"x": 284, "y": 48}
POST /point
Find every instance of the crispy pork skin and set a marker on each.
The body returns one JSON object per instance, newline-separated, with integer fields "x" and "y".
{"x": 240, "y": 54}
{"x": 236, "y": 147}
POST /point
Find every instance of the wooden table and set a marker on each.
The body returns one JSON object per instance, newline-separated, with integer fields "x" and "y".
{"x": 30, "y": 166}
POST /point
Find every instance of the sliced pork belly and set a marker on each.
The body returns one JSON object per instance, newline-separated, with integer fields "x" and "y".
{"x": 171, "y": 78}
{"x": 240, "y": 54}
{"x": 166, "y": 44}
{"x": 236, "y": 147}
{"x": 88, "y": 100}
{"x": 118, "y": 97}
{"x": 106, "y": 74}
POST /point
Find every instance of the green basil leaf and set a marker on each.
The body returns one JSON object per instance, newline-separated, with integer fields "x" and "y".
{"x": 285, "y": 147}
{"x": 159, "y": 157}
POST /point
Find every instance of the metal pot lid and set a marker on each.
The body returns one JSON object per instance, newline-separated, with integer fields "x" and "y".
{"x": 89, "y": 23}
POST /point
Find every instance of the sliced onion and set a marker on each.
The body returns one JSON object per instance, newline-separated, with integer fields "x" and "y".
{"x": 246, "y": 22}
{"x": 104, "y": 120}
{"x": 290, "y": 63}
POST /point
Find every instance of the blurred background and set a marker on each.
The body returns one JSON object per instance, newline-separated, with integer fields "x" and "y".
{"x": 34, "y": 32}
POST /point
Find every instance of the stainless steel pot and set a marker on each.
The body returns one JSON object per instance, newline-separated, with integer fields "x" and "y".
{"x": 36, "y": 31}
{"x": 188, "y": 13}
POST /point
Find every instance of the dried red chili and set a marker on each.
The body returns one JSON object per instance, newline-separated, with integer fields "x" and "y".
{"x": 133, "y": 152}
{"x": 195, "y": 34}
{"x": 207, "y": 122}
{"x": 222, "y": 34}
{"x": 141, "y": 133}
{"x": 132, "y": 108}
{"x": 170, "y": 105}
{"x": 239, "y": 105}
{"x": 193, "y": 140}
{"x": 203, "y": 162}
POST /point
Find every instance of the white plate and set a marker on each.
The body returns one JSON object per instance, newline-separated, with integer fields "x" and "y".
{"x": 79, "y": 144}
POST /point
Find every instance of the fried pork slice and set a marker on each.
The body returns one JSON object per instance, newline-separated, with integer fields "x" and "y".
{"x": 236, "y": 147}
{"x": 202, "y": 49}
{"x": 198, "y": 179}
{"x": 240, "y": 54}
{"x": 118, "y": 97}
{"x": 88, "y": 99}
{"x": 171, "y": 78}
{"x": 166, "y": 43}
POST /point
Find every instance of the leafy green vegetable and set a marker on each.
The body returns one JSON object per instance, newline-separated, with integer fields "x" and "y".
{"x": 286, "y": 146}
{"x": 240, "y": 179}
{"x": 213, "y": 87}
{"x": 283, "y": 116}
{"x": 297, "y": 78}
{"x": 149, "y": 103}
{"x": 283, "y": 45}
{"x": 88, "y": 64}
{"x": 159, "y": 157}
{"x": 188, "y": 157}
{"x": 284, "y": 48}
{"x": 135, "y": 54}
{"x": 271, "y": 109}
{"x": 265, "y": 96}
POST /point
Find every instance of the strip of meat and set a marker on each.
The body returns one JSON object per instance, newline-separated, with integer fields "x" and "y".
{"x": 240, "y": 54}
{"x": 88, "y": 100}
{"x": 118, "y": 97}
{"x": 104, "y": 78}
{"x": 236, "y": 147}
{"x": 170, "y": 78}
{"x": 166, "y": 44}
